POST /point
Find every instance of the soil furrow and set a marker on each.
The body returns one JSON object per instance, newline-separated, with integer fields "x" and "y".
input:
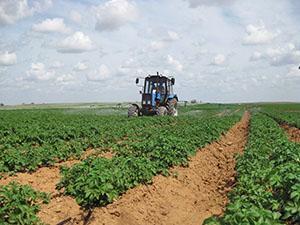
{"x": 188, "y": 196}
{"x": 45, "y": 178}
{"x": 293, "y": 133}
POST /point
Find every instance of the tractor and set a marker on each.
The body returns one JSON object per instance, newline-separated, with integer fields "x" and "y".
{"x": 158, "y": 97}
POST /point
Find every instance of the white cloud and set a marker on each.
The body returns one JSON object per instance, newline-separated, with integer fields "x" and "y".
{"x": 157, "y": 45}
{"x": 196, "y": 3}
{"x": 294, "y": 72}
{"x": 41, "y": 5}
{"x": 51, "y": 25}
{"x": 57, "y": 64}
{"x": 76, "y": 43}
{"x": 80, "y": 66}
{"x": 39, "y": 72}
{"x": 174, "y": 63}
{"x": 258, "y": 34}
{"x": 115, "y": 13}
{"x": 283, "y": 57}
{"x": 146, "y": 42}
{"x": 172, "y": 36}
{"x": 11, "y": 11}
{"x": 256, "y": 56}
{"x": 122, "y": 72}
{"x": 65, "y": 78}
{"x": 164, "y": 41}
{"x": 279, "y": 56}
{"x": 75, "y": 16}
{"x": 8, "y": 59}
{"x": 219, "y": 60}
{"x": 103, "y": 73}
{"x": 14, "y": 10}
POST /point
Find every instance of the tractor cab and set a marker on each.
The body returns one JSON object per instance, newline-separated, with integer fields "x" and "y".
{"x": 157, "y": 92}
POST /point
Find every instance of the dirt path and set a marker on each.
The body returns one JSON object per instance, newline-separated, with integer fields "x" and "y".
{"x": 187, "y": 197}
{"x": 292, "y": 132}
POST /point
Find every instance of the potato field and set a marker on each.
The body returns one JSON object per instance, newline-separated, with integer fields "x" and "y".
{"x": 213, "y": 164}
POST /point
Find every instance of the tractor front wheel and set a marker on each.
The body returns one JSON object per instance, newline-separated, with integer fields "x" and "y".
{"x": 133, "y": 111}
{"x": 161, "y": 111}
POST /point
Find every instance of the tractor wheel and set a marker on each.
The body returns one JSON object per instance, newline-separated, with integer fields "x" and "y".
{"x": 133, "y": 111}
{"x": 172, "y": 107}
{"x": 162, "y": 111}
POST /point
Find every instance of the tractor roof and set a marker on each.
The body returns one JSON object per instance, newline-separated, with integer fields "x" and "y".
{"x": 157, "y": 77}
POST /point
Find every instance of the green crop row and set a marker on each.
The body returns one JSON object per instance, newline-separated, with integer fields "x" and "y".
{"x": 140, "y": 156}
{"x": 282, "y": 107}
{"x": 268, "y": 179}
{"x": 291, "y": 118}
{"x": 19, "y": 204}
{"x": 143, "y": 146}
{"x": 33, "y": 138}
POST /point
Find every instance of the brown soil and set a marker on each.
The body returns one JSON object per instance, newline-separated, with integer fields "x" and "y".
{"x": 190, "y": 195}
{"x": 292, "y": 132}
{"x": 46, "y": 178}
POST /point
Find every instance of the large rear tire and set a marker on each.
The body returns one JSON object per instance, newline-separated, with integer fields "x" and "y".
{"x": 172, "y": 107}
{"x": 133, "y": 111}
{"x": 162, "y": 111}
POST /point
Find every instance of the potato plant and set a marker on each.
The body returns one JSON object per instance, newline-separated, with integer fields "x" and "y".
{"x": 143, "y": 154}
{"x": 30, "y": 139}
{"x": 291, "y": 118}
{"x": 33, "y": 138}
{"x": 19, "y": 204}
{"x": 268, "y": 180}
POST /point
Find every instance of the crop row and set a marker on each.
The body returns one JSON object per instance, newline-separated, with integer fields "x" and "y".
{"x": 292, "y": 118}
{"x": 33, "y": 138}
{"x": 98, "y": 181}
{"x": 19, "y": 204}
{"x": 268, "y": 180}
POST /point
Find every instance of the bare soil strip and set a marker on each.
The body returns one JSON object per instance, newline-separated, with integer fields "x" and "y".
{"x": 292, "y": 132}
{"x": 46, "y": 178}
{"x": 190, "y": 195}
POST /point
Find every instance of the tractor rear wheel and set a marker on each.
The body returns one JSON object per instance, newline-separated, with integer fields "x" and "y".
{"x": 172, "y": 107}
{"x": 162, "y": 111}
{"x": 133, "y": 111}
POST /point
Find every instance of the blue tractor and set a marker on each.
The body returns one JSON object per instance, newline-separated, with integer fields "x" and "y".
{"x": 158, "y": 97}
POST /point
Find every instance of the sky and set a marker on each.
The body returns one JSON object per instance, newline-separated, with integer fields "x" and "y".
{"x": 55, "y": 51}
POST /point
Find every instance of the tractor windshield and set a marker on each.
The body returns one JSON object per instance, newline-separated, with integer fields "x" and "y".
{"x": 154, "y": 86}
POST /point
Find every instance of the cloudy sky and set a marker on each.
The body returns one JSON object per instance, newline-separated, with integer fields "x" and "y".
{"x": 88, "y": 50}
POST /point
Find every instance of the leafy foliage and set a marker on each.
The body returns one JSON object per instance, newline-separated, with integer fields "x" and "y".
{"x": 283, "y": 113}
{"x": 19, "y": 204}
{"x": 98, "y": 181}
{"x": 144, "y": 153}
{"x": 144, "y": 147}
{"x": 292, "y": 118}
{"x": 33, "y": 138}
{"x": 267, "y": 190}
